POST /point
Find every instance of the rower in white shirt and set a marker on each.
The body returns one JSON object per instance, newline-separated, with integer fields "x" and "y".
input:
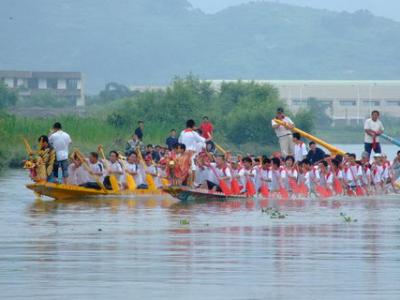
{"x": 134, "y": 168}
{"x": 300, "y": 149}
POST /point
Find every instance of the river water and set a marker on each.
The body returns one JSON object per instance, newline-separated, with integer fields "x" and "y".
{"x": 153, "y": 249}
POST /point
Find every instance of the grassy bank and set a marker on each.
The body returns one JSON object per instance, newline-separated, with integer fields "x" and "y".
{"x": 86, "y": 134}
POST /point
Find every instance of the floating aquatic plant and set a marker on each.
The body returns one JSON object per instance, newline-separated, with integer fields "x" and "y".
{"x": 273, "y": 213}
{"x": 184, "y": 222}
{"x": 347, "y": 218}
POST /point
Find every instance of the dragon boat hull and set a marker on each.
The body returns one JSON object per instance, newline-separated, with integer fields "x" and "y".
{"x": 66, "y": 191}
{"x": 186, "y": 194}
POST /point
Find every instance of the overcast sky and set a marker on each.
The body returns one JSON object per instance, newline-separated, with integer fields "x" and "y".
{"x": 386, "y": 8}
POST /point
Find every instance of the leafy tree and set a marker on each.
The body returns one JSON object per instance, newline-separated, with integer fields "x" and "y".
{"x": 7, "y": 96}
{"x": 45, "y": 99}
{"x": 241, "y": 112}
{"x": 304, "y": 119}
{"x": 318, "y": 109}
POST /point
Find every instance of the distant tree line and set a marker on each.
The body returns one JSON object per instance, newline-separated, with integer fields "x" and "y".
{"x": 240, "y": 111}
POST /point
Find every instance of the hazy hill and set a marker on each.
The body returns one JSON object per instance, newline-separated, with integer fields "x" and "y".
{"x": 141, "y": 41}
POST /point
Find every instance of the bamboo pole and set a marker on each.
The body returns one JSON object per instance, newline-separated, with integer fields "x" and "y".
{"x": 331, "y": 148}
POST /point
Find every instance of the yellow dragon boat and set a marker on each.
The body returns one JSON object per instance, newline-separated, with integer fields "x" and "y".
{"x": 59, "y": 191}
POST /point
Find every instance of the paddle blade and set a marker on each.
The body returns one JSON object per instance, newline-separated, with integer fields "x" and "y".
{"x": 251, "y": 190}
{"x": 264, "y": 190}
{"x": 359, "y": 191}
{"x": 321, "y": 191}
{"x": 130, "y": 182}
{"x": 350, "y": 192}
{"x": 150, "y": 182}
{"x": 303, "y": 190}
{"x": 224, "y": 188}
{"x": 235, "y": 187}
{"x": 165, "y": 182}
{"x": 114, "y": 183}
{"x": 337, "y": 186}
{"x": 294, "y": 186}
{"x": 284, "y": 193}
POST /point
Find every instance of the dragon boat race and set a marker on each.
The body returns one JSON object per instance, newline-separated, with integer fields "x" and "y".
{"x": 198, "y": 149}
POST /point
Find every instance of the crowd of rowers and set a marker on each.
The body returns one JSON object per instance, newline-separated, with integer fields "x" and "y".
{"x": 191, "y": 160}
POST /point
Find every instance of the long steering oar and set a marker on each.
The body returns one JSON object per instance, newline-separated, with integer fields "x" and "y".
{"x": 85, "y": 164}
{"x": 318, "y": 141}
{"x": 391, "y": 139}
{"x": 113, "y": 179}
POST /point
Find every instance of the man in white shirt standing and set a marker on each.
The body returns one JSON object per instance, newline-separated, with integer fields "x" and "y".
{"x": 193, "y": 141}
{"x": 284, "y": 135}
{"x": 373, "y": 128}
{"x": 60, "y": 141}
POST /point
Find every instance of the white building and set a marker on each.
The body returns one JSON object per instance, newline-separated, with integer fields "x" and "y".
{"x": 68, "y": 85}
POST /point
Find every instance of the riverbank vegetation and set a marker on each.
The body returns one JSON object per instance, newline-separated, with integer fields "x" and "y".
{"x": 241, "y": 113}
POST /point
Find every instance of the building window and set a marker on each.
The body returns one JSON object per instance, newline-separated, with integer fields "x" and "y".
{"x": 299, "y": 102}
{"x": 347, "y": 102}
{"x": 393, "y": 102}
{"x": 372, "y": 102}
{"x": 52, "y": 83}
{"x": 72, "y": 84}
{"x": 33, "y": 83}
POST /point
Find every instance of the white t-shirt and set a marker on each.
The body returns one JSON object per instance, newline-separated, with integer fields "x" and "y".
{"x": 97, "y": 168}
{"x": 135, "y": 168}
{"x": 375, "y": 126}
{"x": 282, "y": 130}
{"x": 191, "y": 139}
{"x": 116, "y": 168}
{"x": 300, "y": 151}
{"x": 77, "y": 175}
{"x": 60, "y": 141}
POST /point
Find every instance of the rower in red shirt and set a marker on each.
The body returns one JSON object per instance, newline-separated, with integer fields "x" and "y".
{"x": 207, "y": 128}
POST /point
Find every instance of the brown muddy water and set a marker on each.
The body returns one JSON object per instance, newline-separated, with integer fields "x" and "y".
{"x": 148, "y": 248}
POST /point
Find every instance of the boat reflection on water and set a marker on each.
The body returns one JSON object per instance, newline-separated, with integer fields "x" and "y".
{"x": 110, "y": 204}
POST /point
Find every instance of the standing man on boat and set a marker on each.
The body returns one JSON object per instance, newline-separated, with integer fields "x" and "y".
{"x": 207, "y": 128}
{"x": 190, "y": 138}
{"x": 139, "y": 130}
{"x": 284, "y": 135}
{"x": 60, "y": 140}
{"x": 373, "y": 128}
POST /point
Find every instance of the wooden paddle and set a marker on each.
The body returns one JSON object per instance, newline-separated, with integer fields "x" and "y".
{"x": 264, "y": 189}
{"x": 222, "y": 184}
{"x": 27, "y": 147}
{"x": 250, "y": 188}
{"x": 130, "y": 181}
{"x": 149, "y": 179}
{"x": 113, "y": 179}
{"x": 235, "y": 186}
{"x": 359, "y": 190}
